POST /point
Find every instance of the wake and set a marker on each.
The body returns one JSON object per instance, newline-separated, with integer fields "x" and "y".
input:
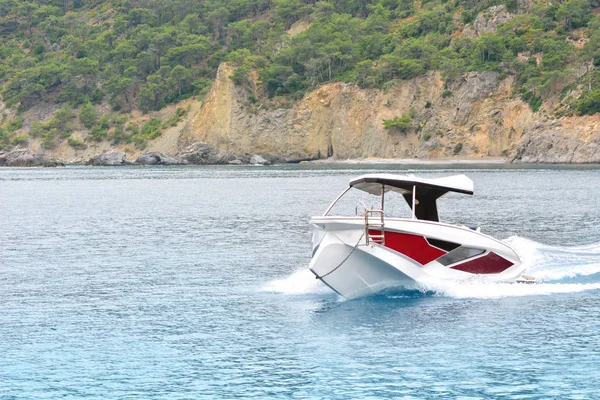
{"x": 301, "y": 281}
{"x": 558, "y": 269}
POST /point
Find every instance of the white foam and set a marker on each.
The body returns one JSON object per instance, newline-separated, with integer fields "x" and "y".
{"x": 569, "y": 272}
{"x": 301, "y": 281}
{"x": 491, "y": 290}
{"x": 547, "y": 264}
{"x": 553, "y": 263}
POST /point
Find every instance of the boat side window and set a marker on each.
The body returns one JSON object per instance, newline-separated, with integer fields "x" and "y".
{"x": 459, "y": 254}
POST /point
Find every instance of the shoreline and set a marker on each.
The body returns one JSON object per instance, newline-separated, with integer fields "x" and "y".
{"x": 410, "y": 161}
{"x": 171, "y": 161}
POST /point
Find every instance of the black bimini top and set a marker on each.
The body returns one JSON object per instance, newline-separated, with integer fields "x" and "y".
{"x": 427, "y": 190}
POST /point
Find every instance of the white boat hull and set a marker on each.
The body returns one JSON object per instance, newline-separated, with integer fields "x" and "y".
{"x": 344, "y": 261}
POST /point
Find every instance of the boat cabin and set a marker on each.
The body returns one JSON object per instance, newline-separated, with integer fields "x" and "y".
{"x": 421, "y": 194}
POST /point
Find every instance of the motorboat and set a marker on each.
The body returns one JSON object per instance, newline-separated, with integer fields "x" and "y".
{"x": 371, "y": 251}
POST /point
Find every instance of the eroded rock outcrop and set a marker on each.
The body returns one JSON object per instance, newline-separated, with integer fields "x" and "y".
{"x": 202, "y": 153}
{"x": 156, "y": 158}
{"x": 488, "y": 21}
{"x": 259, "y": 160}
{"x": 560, "y": 141}
{"x": 28, "y": 158}
{"x": 110, "y": 158}
{"x": 476, "y": 113}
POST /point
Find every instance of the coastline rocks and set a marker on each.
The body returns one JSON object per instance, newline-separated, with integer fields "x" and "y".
{"x": 156, "y": 158}
{"x": 195, "y": 154}
{"x": 28, "y": 158}
{"x": 109, "y": 158}
{"x": 258, "y": 160}
{"x": 552, "y": 141}
{"x": 203, "y": 154}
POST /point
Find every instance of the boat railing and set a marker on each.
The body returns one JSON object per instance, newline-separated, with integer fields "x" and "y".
{"x": 374, "y": 221}
{"x": 360, "y": 203}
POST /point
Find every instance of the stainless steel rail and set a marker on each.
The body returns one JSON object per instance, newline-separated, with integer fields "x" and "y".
{"x": 377, "y": 225}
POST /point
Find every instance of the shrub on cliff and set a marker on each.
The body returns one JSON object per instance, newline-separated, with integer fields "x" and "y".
{"x": 535, "y": 102}
{"x": 88, "y": 115}
{"x": 98, "y": 133}
{"x": 151, "y": 129}
{"x": 76, "y": 144}
{"x": 57, "y": 127}
{"x": 402, "y": 124}
{"x": 49, "y": 139}
{"x": 20, "y": 140}
{"x": 588, "y": 103}
{"x": 4, "y": 140}
{"x": 15, "y": 124}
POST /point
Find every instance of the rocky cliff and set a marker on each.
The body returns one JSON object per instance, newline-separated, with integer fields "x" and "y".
{"x": 552, "y": 49}
{"x": 569, "y": 140}
{"x": 472, "y": 117}
{"x": 476, "y": 116}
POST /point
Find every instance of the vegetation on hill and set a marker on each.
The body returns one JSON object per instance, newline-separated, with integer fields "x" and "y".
{"x": 147, "y": 54}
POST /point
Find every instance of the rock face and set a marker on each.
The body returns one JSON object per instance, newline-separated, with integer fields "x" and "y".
{"x": 203, "y": 153}
{"x": 475, "y": 115}
{"x": 344, "y": 121}
{"x": 196, "y": 153}
{"x": 258, "y": 160}
{"x": 27, "y": 158}
{"x": 564, "y": 141}
{"x": 156, "y": 158}
{"x": 109, "y": 158}
{"x": 488, "y": 21}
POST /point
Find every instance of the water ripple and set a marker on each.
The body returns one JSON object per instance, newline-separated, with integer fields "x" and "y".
{"x": 191, "y": 283}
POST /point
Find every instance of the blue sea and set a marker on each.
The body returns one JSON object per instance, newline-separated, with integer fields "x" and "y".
{"x": 192, "y": 283}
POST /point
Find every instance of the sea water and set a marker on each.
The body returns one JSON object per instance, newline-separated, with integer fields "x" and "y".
{"x": 191, "y": 283}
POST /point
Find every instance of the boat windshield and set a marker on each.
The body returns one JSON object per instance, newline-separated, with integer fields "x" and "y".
{"x": 418, "y": 195}
{"x": 356, "y": 202}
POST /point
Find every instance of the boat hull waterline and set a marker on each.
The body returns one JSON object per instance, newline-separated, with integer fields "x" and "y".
{"x": 415, "y": 255}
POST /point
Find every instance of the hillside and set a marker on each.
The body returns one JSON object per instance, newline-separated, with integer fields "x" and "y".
{"x": 299, "y": 80}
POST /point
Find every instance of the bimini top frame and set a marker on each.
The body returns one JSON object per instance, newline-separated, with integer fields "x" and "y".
{"x": 421, "y": 194}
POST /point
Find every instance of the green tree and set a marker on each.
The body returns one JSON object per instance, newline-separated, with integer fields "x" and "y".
{"x": 588, "y": 103}
{"x": 117, "y": 86}
{"x": 154, "y": 52}
{"x": 574, "y": 13}
{"x": 181, "y": 77}
{"x": 187, "y": 55}
{"x": 88, "y": 115}
{"x": 489, "y": 47}
{"x": 98, "y": 133}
